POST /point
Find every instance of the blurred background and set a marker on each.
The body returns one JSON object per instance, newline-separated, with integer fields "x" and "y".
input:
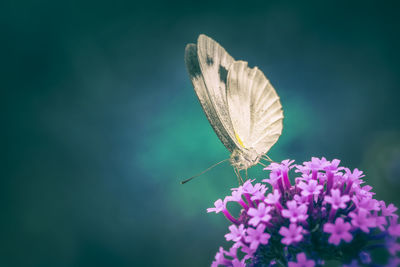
{"x": 101, "y": 123}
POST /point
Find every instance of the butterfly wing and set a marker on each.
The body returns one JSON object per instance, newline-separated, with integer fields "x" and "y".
{"x": 254, "y": 107}
{"x": 203, "y": 62}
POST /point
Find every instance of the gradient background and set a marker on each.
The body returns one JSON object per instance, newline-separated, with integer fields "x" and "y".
{"x": 100, "y": 120}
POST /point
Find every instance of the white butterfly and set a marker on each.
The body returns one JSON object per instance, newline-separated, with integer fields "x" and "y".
{"x": 240, "y": 103}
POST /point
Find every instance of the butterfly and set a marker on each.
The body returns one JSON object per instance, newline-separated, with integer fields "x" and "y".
{"x": 240, "y": 103}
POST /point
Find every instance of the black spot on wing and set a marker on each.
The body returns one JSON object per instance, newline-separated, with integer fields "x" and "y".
{"x": 209, "y": 60}
{"x": 223, "y": 74}
{"x": 192, "y": 62}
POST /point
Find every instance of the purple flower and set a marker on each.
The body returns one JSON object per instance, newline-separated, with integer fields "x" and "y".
{"x": 331, "y": 165}
{"x": 352, "y": 178}
{"x": 245, "y": 186}
{"x": 389, "y": 210}
{"x": 327, "y": 203}
{"x": 273, "y": 179}
{"x": 238, "y": 263}
{"x": 247, "y": 250}
{"x": 301, "y": 199}
{"x": 237, "y": 196}
{"x": 316, "y": 164}
{"x": 394, "y": 228}
{"x": 293, "y": 234}
{"x": 336, "y": 200}
{"x": 219, "y": 206}
{"x": 362, "y": 220}
{"x": 311, "y": 188}
{"x": 380, "y": 222}
{"x": 338, "y": 231}
{"x": 281, "y": 171}
{"x": 295, "y": 213}
{"x": 261, "y": 214}
{"x": 254, "y": 189}
{"x": 260, "y": 193}
{"x": 302, "y": 261}
{"x": 236, "y": 233}
{"x": 257, "y": 236}
{"x": 273, "y": 198}
{"x": 220, "y": 258}
{"x": 366, "y": 203}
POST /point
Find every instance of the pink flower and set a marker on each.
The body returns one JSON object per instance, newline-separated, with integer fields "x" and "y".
{"x": 285, "y": 165}
{"x": 220, "y": 259}
{"x": 338, "y": 231}
{"x": 257, "y": 236}
{"x": 261, "y": 214}
{"x": 259, "y": 194}
{"x": 302, "y": 261}
{"x": 380, "y": 221}
{"x": 311, "y": 188}
{"x": 331, "y": 165}
{"x": 273, "y": 179}
{"x": 281, "y": 171}
{"x": 236, "y": 233}
{"x": 247, "y": 250}
{"x": 316, "y": 163}
{"x": 394, "y": 228}
{"x": 301, "y": 199}
{"x": 389, "y": 210}
{"x": 295, "y": 213}
{"x": 362, "y": 220}
{"x": 366, "y": 203}
{"x": 237, "y": 196}
{"x": 273, "y": 198}
{"x": 238, "y": 263}
{"x": 219, "y": 206}
{"x": 245, "y": 186}
{"x": 254, "y": 189}
{"x": 355, "y": 176}
{"x": 293, "y": 234}
{"x": 336, "y": 200}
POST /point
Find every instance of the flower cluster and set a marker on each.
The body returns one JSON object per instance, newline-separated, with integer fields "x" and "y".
{"x": 324, "y": 214}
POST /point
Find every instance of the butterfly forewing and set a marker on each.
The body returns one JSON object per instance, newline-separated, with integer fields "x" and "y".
{"x": 214, "y": 63}
{"x": 254, "y": 107}
{"x": 206, "y": 92}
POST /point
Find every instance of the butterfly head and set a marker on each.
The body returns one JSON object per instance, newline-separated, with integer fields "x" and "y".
{"x": 243, "y": 159}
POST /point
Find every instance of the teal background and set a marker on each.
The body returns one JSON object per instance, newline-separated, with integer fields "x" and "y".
{"x": 100, "y": 121}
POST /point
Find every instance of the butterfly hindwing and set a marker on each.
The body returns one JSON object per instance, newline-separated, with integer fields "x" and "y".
{"x": 254, "y": 107}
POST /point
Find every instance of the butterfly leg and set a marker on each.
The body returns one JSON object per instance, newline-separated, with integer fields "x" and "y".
{"x": 262, "y": 164}
{"x": 247, "y": 177}
{"x": 268, "y": 158}
{"x": 239, "y": 177}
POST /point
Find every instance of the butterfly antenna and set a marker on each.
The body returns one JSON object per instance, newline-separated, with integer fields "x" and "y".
{"x": 206, "y": 170}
